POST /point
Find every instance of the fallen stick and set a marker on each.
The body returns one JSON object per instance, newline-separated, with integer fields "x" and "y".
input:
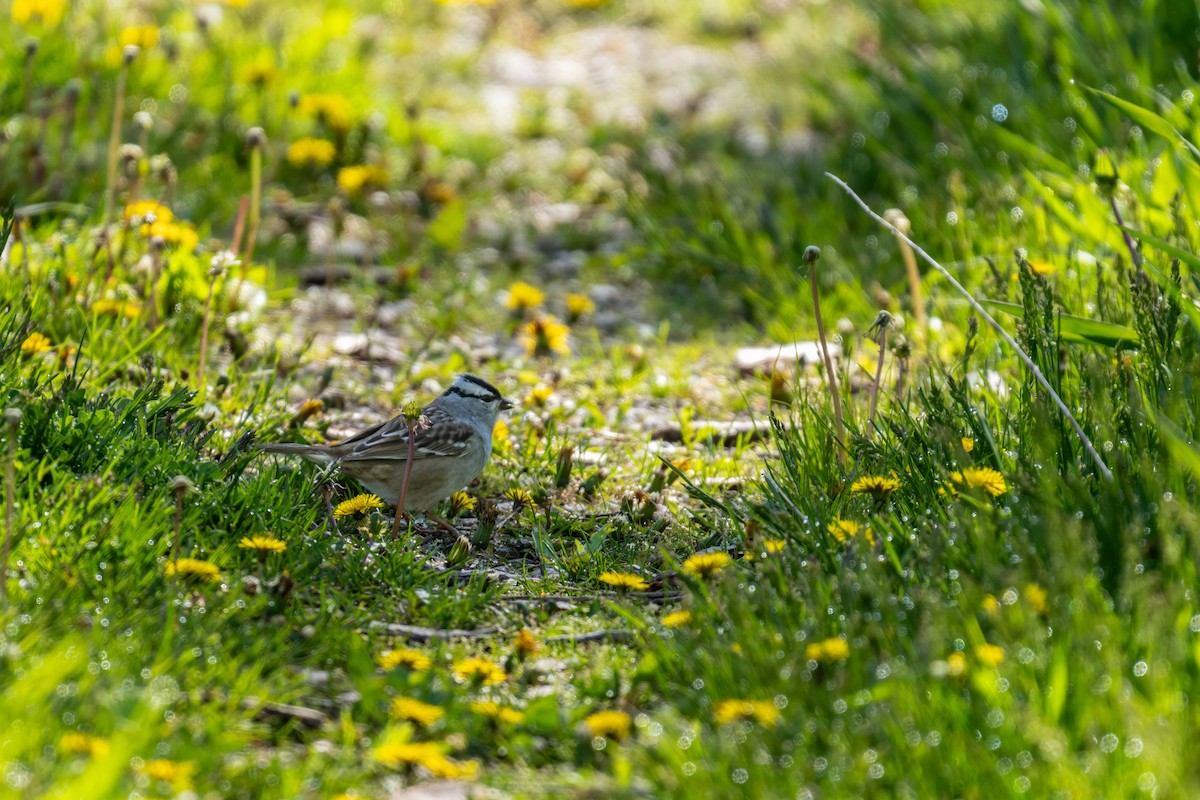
{"x": 1037, "y": 373}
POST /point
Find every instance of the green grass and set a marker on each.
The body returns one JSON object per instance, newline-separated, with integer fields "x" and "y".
{"x": 930, "y": 639}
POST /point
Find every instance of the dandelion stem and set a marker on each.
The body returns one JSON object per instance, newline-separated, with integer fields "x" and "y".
{"x": 204, "y": 336}
{"x": 114, "y": 145}
{"x": 257, "y": 140}
{"x": 812, "y": 255}
{"x": 981, "y": 311}
{"x": 878, "y": 379}
{"x": 12, "y": 418}
{"x": 897, "y": 218}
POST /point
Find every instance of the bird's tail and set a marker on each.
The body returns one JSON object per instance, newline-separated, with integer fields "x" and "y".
{"x": 316, "y": 453}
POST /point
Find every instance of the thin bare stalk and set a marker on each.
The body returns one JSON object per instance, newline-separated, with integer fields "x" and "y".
{"x": 881, "y": 322}
{"x": 12, "y": 418}
{"x": 897, "y": 218}
{"x": 257, "y": 140}
{"x": 114, "y": 135}
{"x": 982, "y": 312}
{"x": 812, "y": 255}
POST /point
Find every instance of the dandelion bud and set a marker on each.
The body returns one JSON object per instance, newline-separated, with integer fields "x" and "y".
{"x": 412, "y": 411}
{"x": 73, "y": 88}
{"x": 130, "y": 54}
{"x": 562, "y": 473}
{"x": 157, "y": 243}
{"x": 143, "y": 120}
{"x": 459, "y": 552}
{"x": 12, "y": 417}
{"x": 256, "y": 137}
{"x": 812, "y": 254}
{"x": 31, "y": 48}
{"x": 181, "y": 484}
{"x": 293, "y": 98}
{"x": 1105, "y": 171}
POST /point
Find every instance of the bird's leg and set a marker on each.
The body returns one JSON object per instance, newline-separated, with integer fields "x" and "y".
{"x": 412, "y": 446}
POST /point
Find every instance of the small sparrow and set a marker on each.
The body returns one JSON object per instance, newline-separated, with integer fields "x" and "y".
{"x": 452, "y": 444}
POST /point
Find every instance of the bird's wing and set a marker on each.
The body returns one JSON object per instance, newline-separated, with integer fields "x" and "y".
{"x": 437, "y": 438}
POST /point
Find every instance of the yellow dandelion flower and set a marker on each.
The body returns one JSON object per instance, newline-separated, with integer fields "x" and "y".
{"x": 424, "y": 754}
{"x": 83, "y": 744}
{"x": 416, "y": 712}
{"x": 706, "y": 565}
{"x": 495, "y": 711}
{"x": 677, "y": 619}
{"x": 46, "y": 12}
{"x": 843, "y": 530}
{"x": 956, "y": 664}
{"x": 36, "y": 343}
{"x": 311, "y": 152}
{"x": 984, "y": 478}
{"x": 332, "y": 109}
{"x": 774, "y": 545}
{"x": 359, "y": 178}
{"x": 763, "y": 712}
{"x": 1036, "y": 596}
{"x": 263, "y": 544}
{"x": 523, "y": 297}
{"x": 176, "y": 773}
{"x": 525, "y": 643}
{"x": 143, "y": 36}
{"x": 359, "y": 504}
{"x": 479, "y": 670}
{"x": 146, "y": 209}
{"x": 624, "y": 580}
{"x": 116, "y": 308}
{"x": 990, "y": 655}
{"x": 258, "y": 73}
{"x": 579, "y": 305}
{"x": 521, "y": 498}
{"x": 194, "y": 568}
{"x": 1042, "y": 267}
{"x": 499, "y": 432}
{"x": 180, "y": 235}
{"x": 406, "y": 657}
{"x": 989, "y": 604}
{"x": 460, "y": 501}
{"x": 878, "y": 485}
{"x": 539, "y": 395}
{"x": 833, "y": 649}
{"x": 968, "y": 444}
{"x": 614, "y": 725}
{"x": 545, "y": 336}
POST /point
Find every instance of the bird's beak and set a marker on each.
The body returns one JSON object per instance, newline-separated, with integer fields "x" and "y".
{"x": 505, "y": 405}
